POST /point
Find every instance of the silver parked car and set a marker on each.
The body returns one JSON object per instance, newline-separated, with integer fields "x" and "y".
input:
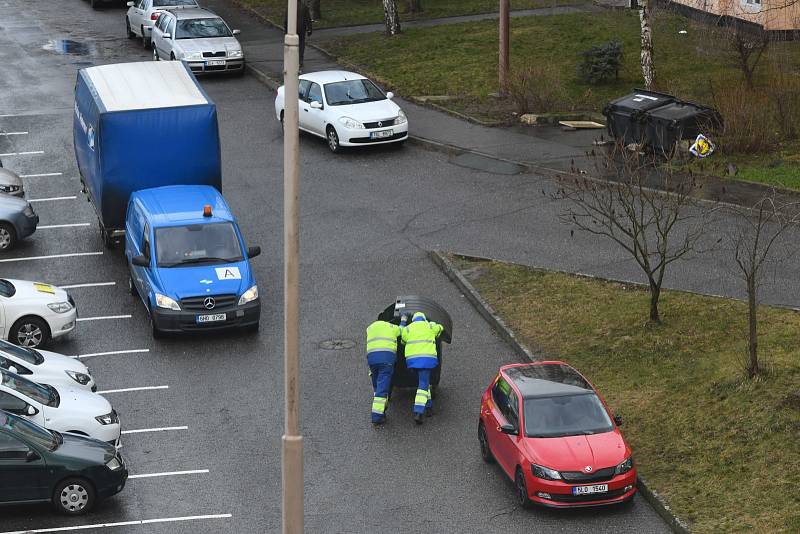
{"x": 11, "y": 183}
{"x": 200, "y": 39}
{"x": 143, "y": 14}
{"x": 17, "y": 221}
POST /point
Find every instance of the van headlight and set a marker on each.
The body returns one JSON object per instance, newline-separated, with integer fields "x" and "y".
{"x": 351, "y": 124}
{"x": 60, "y": 307}
{"x": 163, "y": 301}
{"x": 80, "y": 378}
{"x": 249, "y": 295}
{"x": 401, "y": 117}
{"x": 114, "y": 464}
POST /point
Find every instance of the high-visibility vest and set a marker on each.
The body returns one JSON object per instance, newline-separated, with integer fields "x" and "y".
{"x": 420, "y": 339}
{"x": 382, "y": 337}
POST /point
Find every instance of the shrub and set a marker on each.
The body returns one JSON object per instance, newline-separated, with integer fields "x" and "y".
{"x": 783, "y": 90}
{"x": 601, "y": 63}
{"x": 535, "y": 88}
{"x": 749, "y": 121}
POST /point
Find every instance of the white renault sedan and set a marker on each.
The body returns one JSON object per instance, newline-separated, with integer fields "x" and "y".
{"x": 59, "y": 408}
{"x": 346, "y": 109}
{"x": 143, "y": 14}
{"x": 45, "y": 367}
{"x": 32, "y": 313}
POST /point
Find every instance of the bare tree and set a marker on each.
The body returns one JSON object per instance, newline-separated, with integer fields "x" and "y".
{"x": 648, "y": 65}
{"x": 747, "y": 47}
{"x": 390, "y": 17}
{"x": 753, "y": 236}
{"x": 627, "y": 203}
{"x": 413, "y": 6}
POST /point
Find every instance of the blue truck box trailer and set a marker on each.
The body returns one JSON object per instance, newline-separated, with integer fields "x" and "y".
{"x": 137, "y": 126}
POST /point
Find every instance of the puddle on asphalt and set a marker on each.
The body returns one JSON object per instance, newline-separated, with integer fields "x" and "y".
{"x": 70, "y": 47}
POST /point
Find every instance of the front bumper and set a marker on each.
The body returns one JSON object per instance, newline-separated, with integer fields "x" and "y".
{"x": 108, "y": 483}
{"x": 26, "y": 226}
{"x": 186, "y": 321}
{"x": 361, "y": 137}
{"x": 621, "y": 488}
{"x": 61, "y": 324}
{"x": 202, "y": 66}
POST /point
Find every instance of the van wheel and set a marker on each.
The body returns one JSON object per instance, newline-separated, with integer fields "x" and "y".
{"x": 29, "y": 332}
{"x": 74, "y": 496}
{"x": 131, "y": 35}
{"x": 8, "y": 237}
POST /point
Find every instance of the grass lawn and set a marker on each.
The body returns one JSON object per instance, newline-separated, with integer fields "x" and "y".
{"x": 351, "y": 12}
{"x": 723, "y": 450}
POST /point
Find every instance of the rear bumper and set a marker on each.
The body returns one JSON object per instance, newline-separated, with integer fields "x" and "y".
{"x": 186, "y": 321}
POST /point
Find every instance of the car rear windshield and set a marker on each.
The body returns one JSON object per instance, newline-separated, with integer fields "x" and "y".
{"x": 201, "y": 28}
{"x": 170, "y": 3}
{"x": 194, "y": 244}
{"x": 30, "y": 431}
{"x": 352, "y": 92}
{"x": 25, "y": 354}
{"x": 46, "y": 395}
{"x": 565, "y": 415}
{"x": 7, "y": 289}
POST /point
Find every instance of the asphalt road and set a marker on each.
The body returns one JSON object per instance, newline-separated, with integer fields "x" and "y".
{"x": 367, "y": 219}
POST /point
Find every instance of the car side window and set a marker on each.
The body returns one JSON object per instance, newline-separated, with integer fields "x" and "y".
{"x": 161, "y": 23}
{"x": 11, "y": 448}
{"x": 10, "y": 403}
{"x": 171, "y": 28}
{"x": 146, "y": 241}
{"x": 315, "y": 93}
{"x": 512, "y": 412}
{"x": 304, "y": 84}
{"x": 500, "y": 394}
{"x": 20, "y": 370}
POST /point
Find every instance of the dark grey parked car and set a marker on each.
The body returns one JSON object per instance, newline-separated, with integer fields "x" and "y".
{"x": 11, "y": 183}
{"x": 17, "y": 220}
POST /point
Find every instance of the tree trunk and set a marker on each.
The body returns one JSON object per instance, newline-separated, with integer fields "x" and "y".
{"x": 414, "y": 6}
{"x": 752, "y": 336}
{"x": 655, "y": 293}
{"x": 648, "y": 67}
{"x": 313, "y": 8}
{"x": 390, "y": 17}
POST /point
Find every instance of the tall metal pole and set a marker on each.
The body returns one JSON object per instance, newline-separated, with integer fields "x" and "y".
{"x": 504, "y": 39}
{"x": 292, "y": 443}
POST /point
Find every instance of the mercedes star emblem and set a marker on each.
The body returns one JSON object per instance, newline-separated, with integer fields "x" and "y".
{"x": 588, "y": 468}
{"x": 209, "y": 303}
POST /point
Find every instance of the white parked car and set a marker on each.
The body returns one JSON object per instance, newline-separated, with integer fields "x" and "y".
{"x": 347, "y": 109}
{"x": 59, "y": 408}
{"x": 45, "y": 367}
{"x": 200, "y": 39}
{"x": 143, "y": 14}
{"x": 32, "y": 313}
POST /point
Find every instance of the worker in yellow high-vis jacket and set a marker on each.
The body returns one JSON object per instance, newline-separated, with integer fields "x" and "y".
{"x": 419, "y": 338}
{"x": 381, "y": 354}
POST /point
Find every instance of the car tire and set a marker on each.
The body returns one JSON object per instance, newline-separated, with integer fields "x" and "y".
{"x": 108, "y": 241}
{"x": 74, "y": 496}
{"x": 130, "y": 34}
{"x": 147, "y": 42}
{"x": 521, "y": 489}
{"x": 281, "y": 119}
{"x": 131, "y": 287}
{"x": 29, "y": 331}
{"x": 333, "y": 139}
{"x": 8, "y": 236}
{"x": 483, "y": 439}
{"x": 155, "y": 54}
{"x": 171, "y": 56}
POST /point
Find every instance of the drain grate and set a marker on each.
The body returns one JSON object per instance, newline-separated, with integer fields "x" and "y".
{"x": 337, "y": 344}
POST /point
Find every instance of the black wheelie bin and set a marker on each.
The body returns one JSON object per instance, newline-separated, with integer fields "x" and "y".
{"x": 408, "y": 305}
{"x": 669, "y": 124}
{"x": 627, "y": 116}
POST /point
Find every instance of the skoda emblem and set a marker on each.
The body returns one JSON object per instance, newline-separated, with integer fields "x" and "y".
{"x": 209, "y": 304}
{"x": 588, "y": 468}
{"x": 380, "y": 123}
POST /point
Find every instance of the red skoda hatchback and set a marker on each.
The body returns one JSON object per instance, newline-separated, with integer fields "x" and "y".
{"x": 555, "y": 437}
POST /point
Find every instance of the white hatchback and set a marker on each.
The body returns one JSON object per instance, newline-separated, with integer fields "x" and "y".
{"x": 45, "y": 367}
{"x": 346, "y": 109}
{"x": 70, "y": 410}
{"x": 32, "y": 313}
{"x": 143, "y": 14}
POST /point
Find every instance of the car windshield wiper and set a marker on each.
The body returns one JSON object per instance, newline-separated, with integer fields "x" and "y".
{"x": 204, "y": 259}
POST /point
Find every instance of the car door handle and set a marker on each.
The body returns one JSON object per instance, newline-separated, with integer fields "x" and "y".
{"x": 304, "y": 109}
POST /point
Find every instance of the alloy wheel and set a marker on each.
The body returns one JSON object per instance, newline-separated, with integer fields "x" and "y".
{"x": 74, "y": 498}
{"x": 522, "y": 490}
{"x": 486, "y": 452}
{"x": 333, "y": 140}
{"x": 30, "y": 335}
{"x": 5, "y": 238}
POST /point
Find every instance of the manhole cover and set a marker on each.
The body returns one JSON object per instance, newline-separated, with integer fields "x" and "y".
{"x": 337, "y": 344}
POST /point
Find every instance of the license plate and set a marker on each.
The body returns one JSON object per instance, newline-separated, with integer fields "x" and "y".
{"x": 381, "y": 134}
{"x": 211, "y": 318}
{"x": 215, "y": 62}
{"x": 586, "y": 490}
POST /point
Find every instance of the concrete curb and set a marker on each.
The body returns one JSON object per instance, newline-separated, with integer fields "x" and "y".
{"x": 485, "y": 310}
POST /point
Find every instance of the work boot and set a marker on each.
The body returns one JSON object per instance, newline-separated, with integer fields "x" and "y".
{"x": 379, "y": 421}
{"x": 429, "y": 411}
{"x": 418, "y": 418}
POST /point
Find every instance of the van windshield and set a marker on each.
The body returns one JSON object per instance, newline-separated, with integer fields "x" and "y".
{"x": 194, "y": 244}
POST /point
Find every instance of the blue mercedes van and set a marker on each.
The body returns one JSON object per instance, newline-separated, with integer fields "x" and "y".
{"x": 188, "y": 262}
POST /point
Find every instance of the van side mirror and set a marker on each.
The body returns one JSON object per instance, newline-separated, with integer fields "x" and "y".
{"x": 252, "y": 252}
{"x": 31, "y": 411}
{"x": 508, "y": 428}
{"x": 32, "y": 456}
{"x": 390, "y": 95}
{"x": 140, "y": 261}
{"x": 618, "y": 420}
{"x": 236, "y": 32}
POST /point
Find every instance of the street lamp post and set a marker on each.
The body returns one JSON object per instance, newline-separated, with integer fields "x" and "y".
{"x": 504, "y": 39}
{"x": 292, "y": 442}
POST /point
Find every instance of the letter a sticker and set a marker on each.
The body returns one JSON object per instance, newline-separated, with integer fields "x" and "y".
{"x": 228, "y": 273}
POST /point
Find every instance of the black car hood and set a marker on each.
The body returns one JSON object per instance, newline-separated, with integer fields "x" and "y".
{"x": 85, "y": 449}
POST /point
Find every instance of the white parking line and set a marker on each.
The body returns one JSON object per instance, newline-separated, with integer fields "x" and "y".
{"x": 5, "y": 134}
{"x": 28, "y": 153}
{"x": 110, "y": 353}
{"x": 51, "y": 198}
{"x": 50, "y": 226}
{"x": 90, "y": 284}
{"x": 125, "y": 390}
{"x": 41, "y": 175}
{"x": 170, "y": 474}
{"x": 124, "y": 523}
{"x": 103, "y": 318}
{"x": 51, "y": 256}
{"x": 165, "y": 429}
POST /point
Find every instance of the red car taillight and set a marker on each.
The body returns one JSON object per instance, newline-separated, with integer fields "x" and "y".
{"x": 154, "y": 15}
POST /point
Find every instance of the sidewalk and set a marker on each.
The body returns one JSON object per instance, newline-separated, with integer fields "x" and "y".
{"x": 501, "y": 150}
